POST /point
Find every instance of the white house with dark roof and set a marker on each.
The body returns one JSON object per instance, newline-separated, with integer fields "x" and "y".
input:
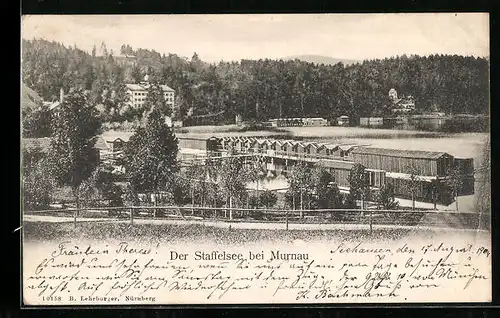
{"x": 138, "y": 92}
{"x": 404, "y": 104}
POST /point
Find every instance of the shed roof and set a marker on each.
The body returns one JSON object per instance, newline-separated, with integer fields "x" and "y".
{"x": 312, "y": 145}
{"x": 112, "y": 135}
{"x": 298, "y": 144}
{"x": 347, "y": 147}
{"x": 337, "y": 164}
{"x": 400, "y": 153}
{"x": 195, "y": 138}
{"x": 331, "y": 146}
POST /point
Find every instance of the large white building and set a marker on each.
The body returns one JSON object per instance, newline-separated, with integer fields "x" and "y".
{"x": 138, "y": 93}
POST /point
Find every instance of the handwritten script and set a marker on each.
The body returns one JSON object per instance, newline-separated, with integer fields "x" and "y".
{"x": 125, "y": 273}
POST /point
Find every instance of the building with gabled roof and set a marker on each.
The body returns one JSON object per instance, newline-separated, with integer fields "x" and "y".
{"x": 138, "y": 92}
{"x": 425, "y": 163}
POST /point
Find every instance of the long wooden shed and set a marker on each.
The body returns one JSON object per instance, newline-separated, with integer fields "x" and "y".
{"x": 426, "y": 163}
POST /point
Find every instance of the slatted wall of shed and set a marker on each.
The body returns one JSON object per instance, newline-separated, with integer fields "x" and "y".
{"x": 425, "y": 167}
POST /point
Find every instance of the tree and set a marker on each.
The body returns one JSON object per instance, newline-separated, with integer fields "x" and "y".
{"x": 300, "y": 185}
{"x": 270, "y": 88}
{"x": 37, "y": 183}
{"x": 196, "y": 176}
{"x": 36, "y": 122}
{"x": 327, "y": 192}
{"x": 349, "y": 201}
{"x": 108, "y": 189}
{"x": 484, "y": 189}
{"x": 256, "y": 171}
{"x": 130, "y": 196}
{"x": 151, "y": 156}
{"x": 233, "y": 180}
{"x": 414, "y": 184}
{"x": 455, "y": 176}
{"x": 88, "y": 190}
{"x": 136, "y": 73}
{"x": 268, "y": 199}
{"x": 75, "y": 127}
{"x": 213, "y": 166}
{"x": 358, "y": 183}
{"x": 156, "y": 99}
{"x": 435, "y": 187}
{"x": 385, "y": 198}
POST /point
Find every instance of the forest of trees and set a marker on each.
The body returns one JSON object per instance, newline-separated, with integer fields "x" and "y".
{"x": 260, "y": 89}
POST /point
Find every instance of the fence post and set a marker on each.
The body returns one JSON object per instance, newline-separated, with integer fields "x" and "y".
{"x": 74, "y": 217}
{"x": 131, "y": 216}
{"x": 286, "y": 219}
{"x": 371, "y": 222}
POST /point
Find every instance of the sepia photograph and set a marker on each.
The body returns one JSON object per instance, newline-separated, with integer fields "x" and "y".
{"x": 255, "y": 159}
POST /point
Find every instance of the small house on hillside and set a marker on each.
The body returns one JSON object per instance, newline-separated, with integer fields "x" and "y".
{"x": 116, "y": 140}
{"x": 403, "y": 104}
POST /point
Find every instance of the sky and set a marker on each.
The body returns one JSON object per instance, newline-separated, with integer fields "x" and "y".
{"x": 244, "y": 36}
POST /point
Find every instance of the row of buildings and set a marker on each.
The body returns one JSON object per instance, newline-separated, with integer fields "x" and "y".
{"x": 400, "y": 105}
{"x": 431, "y": 170}
{"x": 308, "y": 122}
{"x": 136, "y": 93}
{"x": 400, "y": 168}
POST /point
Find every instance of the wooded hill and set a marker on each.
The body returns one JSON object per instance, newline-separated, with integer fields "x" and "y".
{"x": 262, "y": 89}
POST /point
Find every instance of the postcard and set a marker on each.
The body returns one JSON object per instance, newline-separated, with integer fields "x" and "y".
{"x": 255, "y": 159}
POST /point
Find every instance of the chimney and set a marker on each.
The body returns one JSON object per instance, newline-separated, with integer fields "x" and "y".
{"x": 61, "y": 95}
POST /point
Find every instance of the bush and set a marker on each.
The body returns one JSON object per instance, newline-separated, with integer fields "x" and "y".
{"x": 37, "y": 183}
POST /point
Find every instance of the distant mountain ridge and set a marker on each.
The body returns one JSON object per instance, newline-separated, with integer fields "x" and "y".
{"x": 320, "y": 59}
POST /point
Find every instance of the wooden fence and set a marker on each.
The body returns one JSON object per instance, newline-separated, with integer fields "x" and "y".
{"x": 369, "y": 217}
